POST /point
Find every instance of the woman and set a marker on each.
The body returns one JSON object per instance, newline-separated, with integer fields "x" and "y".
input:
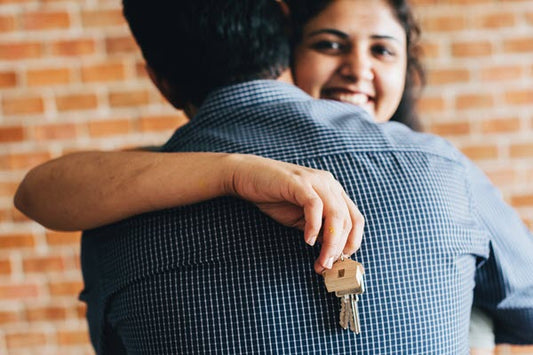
{"x": 360, "y": 52}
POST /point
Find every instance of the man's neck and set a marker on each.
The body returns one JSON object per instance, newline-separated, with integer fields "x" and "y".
{"x": 286, "y": 77}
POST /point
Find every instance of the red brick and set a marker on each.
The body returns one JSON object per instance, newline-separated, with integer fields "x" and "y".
{"x": 474, "y": 101}
{"x": 8, "y": 79}
{"x": 72, "y": 337}
{"x": 529, "y": 17}
{"x": 447, "y": 76}
{"x": 430, "y": 104}
{"x": 499, "y": 73}
{"x": 17, "y": 51}
{"x": 8, "y": 188}
{"x": 104, "y": 72}
{"x": 471, "y": 49}
{"x": 496, "y": 20}
{"x": 468, "y": 2}
{"x": 519, "y": 97}
{"x": 522, "y": 201}
{"x": 100, "y": 18}
{"x": 81, "y": 310}
{"x": 65, "y": 288}
{"x": 11, "y": 134}
{"x": 45, "y": 20}
{"x": 18, "y": 291}
{"x": 63, "y": 238}
{"x": 9, "y": 317}
{"x": 501, "y": 177}
{"x": 121, "y": 45}
{"x": 43, "y": 264}
{"x": 27, "y": 160}
{"x": 23, "y": 105}
{"x": 55, "y": 132}
{"x": 501, "y": 125}
{"x": 524, "y": 150}
{"x": 77, "y": 102}
{"x": 73, "y": 47}
{"x": 7, "y": 23}
{"x": 45, "y": 77}
{"x": 129, "y": 98}
{"x": 5, "y": 216}
{"x": 518, "y": 45}
{"x": 109, "y": 127}
{"x": 25, "y": 339}
{"x": 480, "y": 152}
{"x": 50, "y": 313}
{"x": 451, "y": 128}
{"x": 163, "y": 123}
{"x": 5, "y": 267}
{"x": 431, "y": 50}
{"x": 140, "y": 70}
{"x": 444, "y": 23}
{"x": 520, "y": 349}
{"x": 16, "y": 241}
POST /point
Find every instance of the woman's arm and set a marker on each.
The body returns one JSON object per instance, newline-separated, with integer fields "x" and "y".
{"x": 90, "y": 189}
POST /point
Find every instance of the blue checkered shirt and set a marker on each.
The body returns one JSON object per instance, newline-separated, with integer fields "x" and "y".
{"x": 220, "y": 277}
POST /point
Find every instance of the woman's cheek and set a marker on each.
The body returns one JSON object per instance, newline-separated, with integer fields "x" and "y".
{"x": 307, "y": 75}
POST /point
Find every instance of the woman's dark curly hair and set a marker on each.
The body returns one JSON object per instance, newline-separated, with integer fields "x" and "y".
{"x": 302, "y": 11}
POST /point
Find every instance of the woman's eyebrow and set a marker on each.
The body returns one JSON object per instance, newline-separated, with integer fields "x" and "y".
{"x": 331, "y": 31}
{"x": 385, "y": 37}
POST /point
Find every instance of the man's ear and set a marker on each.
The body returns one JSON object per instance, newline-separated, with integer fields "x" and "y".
{"x": 284, "y": 7}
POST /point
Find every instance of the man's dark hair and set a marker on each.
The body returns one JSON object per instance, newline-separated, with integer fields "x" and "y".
{"x": 199, "y": 45}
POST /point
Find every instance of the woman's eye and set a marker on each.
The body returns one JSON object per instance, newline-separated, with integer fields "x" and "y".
{"x": 328, "y": 46}
{"x": 383, "y": 51}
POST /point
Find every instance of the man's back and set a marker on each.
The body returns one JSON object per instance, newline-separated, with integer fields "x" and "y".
{"x": 220, "y": 277}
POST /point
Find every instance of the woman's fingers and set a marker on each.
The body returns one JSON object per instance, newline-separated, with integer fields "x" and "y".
{"x": 326, "y": 212}
{"x": 338, "y": 228}
{"x": 355, "y": 236}
{"x": 313, "y": 211}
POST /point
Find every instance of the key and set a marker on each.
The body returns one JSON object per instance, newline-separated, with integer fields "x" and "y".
{"x": 355, "y": 314}
{"x": 343, "y": 321}
{"x": 345, "y": 278}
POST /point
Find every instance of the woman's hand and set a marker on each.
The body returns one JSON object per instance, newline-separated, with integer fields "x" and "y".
{"x": 295, "y": 196}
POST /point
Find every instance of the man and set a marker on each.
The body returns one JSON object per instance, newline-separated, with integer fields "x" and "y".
{"x": 220, "y": 277}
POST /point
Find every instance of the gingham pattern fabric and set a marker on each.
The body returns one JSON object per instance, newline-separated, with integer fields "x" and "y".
{"x": 222, "y": 278}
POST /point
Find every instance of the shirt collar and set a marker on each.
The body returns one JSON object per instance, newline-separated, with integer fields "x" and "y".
{"x": 250, "y": 93}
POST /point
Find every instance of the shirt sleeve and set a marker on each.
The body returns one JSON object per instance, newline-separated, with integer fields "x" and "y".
{"x": 504, "y": 281}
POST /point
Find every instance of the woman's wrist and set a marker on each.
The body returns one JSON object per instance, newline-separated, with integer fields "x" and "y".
{"x": 229, "y": 165}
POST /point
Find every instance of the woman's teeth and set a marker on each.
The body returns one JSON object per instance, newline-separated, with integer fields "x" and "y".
{"x": 354, "y": 99}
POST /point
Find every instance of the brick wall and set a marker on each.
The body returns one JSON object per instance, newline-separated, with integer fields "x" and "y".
{"x": 71, "y": 78}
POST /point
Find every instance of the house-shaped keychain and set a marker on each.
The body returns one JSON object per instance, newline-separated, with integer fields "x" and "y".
{"x": 345, "y": 277}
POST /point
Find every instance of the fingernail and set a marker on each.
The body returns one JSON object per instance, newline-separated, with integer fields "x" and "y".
{"x": 312, "y": 241}
{"x": 329, "y": 263}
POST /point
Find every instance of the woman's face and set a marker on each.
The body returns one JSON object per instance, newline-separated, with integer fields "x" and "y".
{"x": 354, "y": 51}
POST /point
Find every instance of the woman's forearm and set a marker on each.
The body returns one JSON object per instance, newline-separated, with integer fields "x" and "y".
{"x": 89, "y": 189}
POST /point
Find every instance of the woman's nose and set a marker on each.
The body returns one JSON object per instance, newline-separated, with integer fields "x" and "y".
{"x": 357, "y": 66}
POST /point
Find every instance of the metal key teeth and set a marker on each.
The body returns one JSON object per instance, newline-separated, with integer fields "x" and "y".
{"x": 343, "y": 321}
